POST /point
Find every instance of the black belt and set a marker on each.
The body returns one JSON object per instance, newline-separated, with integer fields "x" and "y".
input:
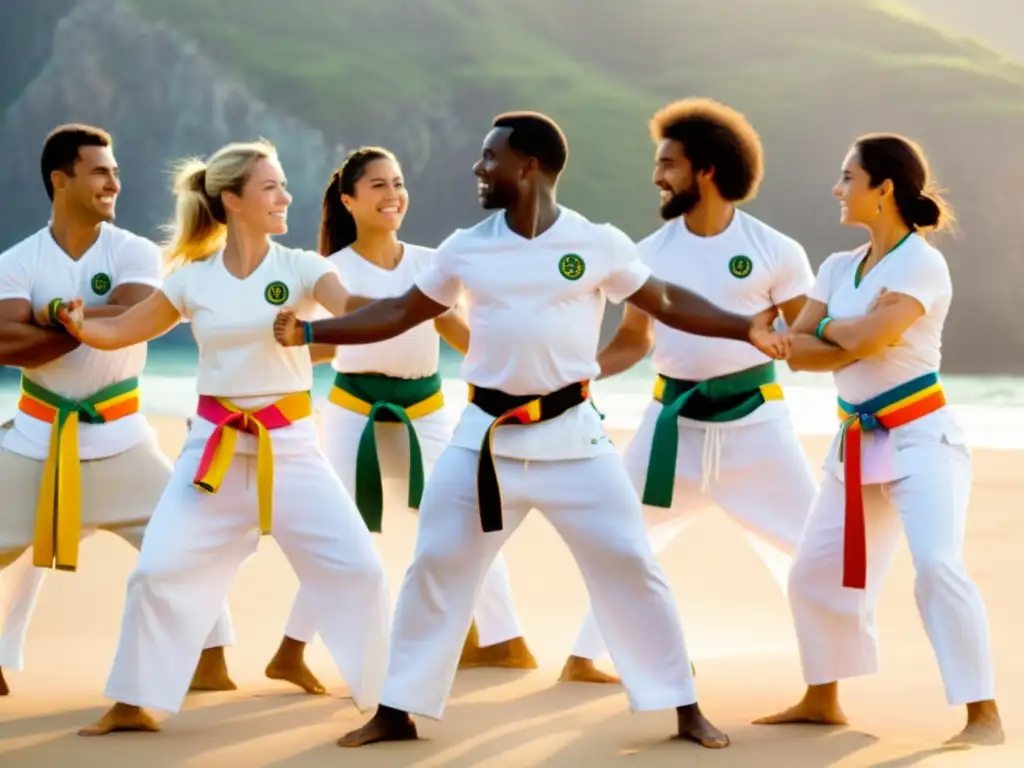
{"x": 513, "y": 409}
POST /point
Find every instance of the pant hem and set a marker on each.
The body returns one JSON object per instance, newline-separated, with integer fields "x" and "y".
{"x": 412, "y": 709}
{"x": 135, "y": 701}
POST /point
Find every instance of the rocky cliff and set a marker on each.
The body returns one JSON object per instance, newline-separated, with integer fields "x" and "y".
{"x": 161, "y": 98}
{"x": 171, "y": 78}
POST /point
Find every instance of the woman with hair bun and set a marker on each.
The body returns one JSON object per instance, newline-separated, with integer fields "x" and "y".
{"x": 251, "y": 463}
{"x": 387, "y": 422}
{"x": 875, "y": 318}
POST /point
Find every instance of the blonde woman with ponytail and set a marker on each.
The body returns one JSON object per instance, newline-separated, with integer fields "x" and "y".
{"x": 251, "y": 463}
{"x": 382, "y": 458}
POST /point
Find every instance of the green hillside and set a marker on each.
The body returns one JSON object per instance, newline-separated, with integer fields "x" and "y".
{"x": 344, "y": 66}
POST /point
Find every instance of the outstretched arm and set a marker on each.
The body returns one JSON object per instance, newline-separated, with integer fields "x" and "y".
{"x": 23, "y": 343}
{"x": 687, "y": 311}
{"x": 454, "y": 328}
{"x": 379, "y": 320}
{"x": 330, "y": 294}
{"x": 152, "y": 317}
{"x": 633, "y": 340}
{"x": 122, "y": 298}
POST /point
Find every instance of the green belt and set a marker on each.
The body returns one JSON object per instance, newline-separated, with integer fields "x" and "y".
{"x": 59, "y": 507}
{"x": 724, "y": 398}
{"x": 385, "y": 399}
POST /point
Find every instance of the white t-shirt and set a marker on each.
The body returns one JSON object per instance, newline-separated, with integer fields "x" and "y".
{"x": 38, "y": 270}
{"x": 915, "y": 268}
{"x": 233, "y": 323}
{"x": 746, "y": 268}
{"x": 535, "y": 308}
{"x": 413, "y": 354}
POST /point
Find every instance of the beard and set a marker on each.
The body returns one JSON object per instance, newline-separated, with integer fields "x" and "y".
{"x": 498, "y": 197}
{"x": 681, "y": 203}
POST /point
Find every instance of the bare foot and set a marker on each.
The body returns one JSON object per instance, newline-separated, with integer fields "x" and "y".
{"x": 984, "y": 726}
{"x": 819, "y": 706}
{"x": 121, "y": 717}
{"x": 693, "y": 726}
{"x": 289, "y": 665}
{"x": 580, "y": 670}
{"x": 4, "y": 690}
{"x": 511, "y": 654}
{"x": 212, "y": 672}
{"x": 386, "y": 725}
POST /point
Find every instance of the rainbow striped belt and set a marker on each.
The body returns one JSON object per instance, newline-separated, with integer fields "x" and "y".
{"x": 387, "y": 399}
{"x": 229, "y": 420}
{"x": 59, "y": 509}
{"x": 513, "y": 409}
{"x": 721, "y": 399}
{"x": 893, "y": 408}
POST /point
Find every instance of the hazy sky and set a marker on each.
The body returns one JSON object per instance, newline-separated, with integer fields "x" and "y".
{"x": 997, "y": 23}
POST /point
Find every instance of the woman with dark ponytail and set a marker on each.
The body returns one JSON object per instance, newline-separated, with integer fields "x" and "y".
{"x": 387, "y": 422}
{"x": 875, "y": 318}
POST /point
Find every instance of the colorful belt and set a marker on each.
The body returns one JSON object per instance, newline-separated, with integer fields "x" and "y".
{"x": 59, "y": 509}
{"x": 894, "y": 408}
{"x": 721, "y": 399}
{"x": 386, "y": 399}
{"x": 513, "y": 409}
{"x": 229, "y": 420}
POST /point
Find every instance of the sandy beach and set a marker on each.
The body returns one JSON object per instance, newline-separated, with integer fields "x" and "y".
{"x": 736, "y": 621}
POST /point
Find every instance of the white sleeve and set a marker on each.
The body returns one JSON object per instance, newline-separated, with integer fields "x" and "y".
{"x": 313, "y": 312}
{"x": 140, "y": 262}
{"x": 822, "y": 288}
{"x": 310, "y": 266}
{"x": 175, "y": 288}
{"x": 627, "y": 273}
{"x": 925, "y": 277}
{"x": 16, "y": 278}
{"x": 795, "y": 276}
{"x": 439, "y": 282}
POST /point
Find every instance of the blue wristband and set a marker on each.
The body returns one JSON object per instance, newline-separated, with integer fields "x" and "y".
{"x": 307, "y": 333}
{"x": 820, "y": 332}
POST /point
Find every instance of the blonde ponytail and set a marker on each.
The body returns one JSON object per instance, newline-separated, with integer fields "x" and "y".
{"x": 200, "y": 222}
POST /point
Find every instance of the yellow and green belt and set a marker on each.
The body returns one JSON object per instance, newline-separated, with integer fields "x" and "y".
{"x": 58, "y": 525}
{"x": 386, "y": 399}
{"x": 721, "y": 399}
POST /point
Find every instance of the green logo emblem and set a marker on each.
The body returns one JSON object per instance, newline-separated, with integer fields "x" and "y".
{"x": 571, "y": 266}
{"x": 100, "y": 284}
{"x": 276, "y": 293}
{"x": 740, "y": 266}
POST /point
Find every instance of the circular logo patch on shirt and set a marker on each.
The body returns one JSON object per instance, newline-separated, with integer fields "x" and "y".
{"x": 740, "y": 266}
{"x": 100, "y": 283}
{"x": 571, "y": 266}
{"x": 276, "y": 293}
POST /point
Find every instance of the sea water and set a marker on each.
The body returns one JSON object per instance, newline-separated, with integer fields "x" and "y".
{"x": 990, "y": 408}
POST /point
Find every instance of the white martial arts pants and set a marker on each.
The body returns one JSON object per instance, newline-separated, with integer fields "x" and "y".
{"x": 835, "y": 626}
{"x": 595, "y": 510}
{"x": 21, "y": 583}
{"x": 756, "y": 472}
{"x": 196, "y": 542}
{"x": 494, "y": 611}
{"x": 122, "y": 487}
